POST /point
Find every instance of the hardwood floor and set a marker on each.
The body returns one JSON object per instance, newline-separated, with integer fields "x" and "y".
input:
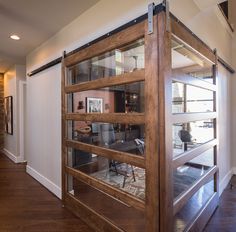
{"x": 224, "y": 218}
{"x": 26, "y": 206}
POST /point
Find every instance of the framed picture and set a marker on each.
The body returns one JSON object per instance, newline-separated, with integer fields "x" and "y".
{"x": 8, "y": 115}
{"x": 94, "y": 105}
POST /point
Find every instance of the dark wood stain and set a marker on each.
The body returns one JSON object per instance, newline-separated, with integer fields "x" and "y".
{"x": 188, "y": 37}
{"x": 152, "y": 128}
{"x": 158, "y": 120}
{"x": 124, "y": 157}
{"x": 26, "y": 206}
{"x": 105, "y": 213}
{"x": 106, "y": 188}
{"x": 165, "y": 130}
{"x": 126, "y": 78}
{"x": 128, "y": 118}
{"x": 114, "y": 41}
{"x": 80, "y": 208}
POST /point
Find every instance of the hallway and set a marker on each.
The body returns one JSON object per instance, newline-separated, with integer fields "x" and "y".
{"x": 26, "y": 206}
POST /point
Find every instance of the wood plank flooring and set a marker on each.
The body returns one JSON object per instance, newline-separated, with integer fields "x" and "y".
{"x": 224, "y": 218}
{"x": 26, "y": 206}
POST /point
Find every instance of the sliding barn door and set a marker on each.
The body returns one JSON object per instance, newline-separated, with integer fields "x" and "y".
{"x": 110, "y": 130}
{"x": 139, "y": 129}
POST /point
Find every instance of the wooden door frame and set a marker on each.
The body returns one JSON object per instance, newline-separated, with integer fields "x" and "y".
{"x": 86, "y": 213}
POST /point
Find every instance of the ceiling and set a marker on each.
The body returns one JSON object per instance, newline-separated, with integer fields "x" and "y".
{"x": 34, "y": 21}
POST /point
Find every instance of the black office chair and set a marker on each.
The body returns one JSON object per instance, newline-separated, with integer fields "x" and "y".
{"x": 81, "y": 157}
{"x": 185, "y": 137}
{"x": 107, "y": 137}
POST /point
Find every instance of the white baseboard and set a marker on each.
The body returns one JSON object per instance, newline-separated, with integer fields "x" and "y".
{"x": 20, "y": 160}
{"x": 44, "y": 181}
{"x": 224, "y": 182}
{"x": 10, "y": 155}
{"x": 14, "y": 158}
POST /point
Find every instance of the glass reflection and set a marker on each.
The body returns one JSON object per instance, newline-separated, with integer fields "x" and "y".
{"x": 187, "y": 61}
{"x": 109, "y": 207}
{"x": 119, "y": 61}
{"x": 187, "y": 136}
{"x": 120, "y": 175}
{"x": 193, "y": 206}
{"x": 185, "y": 176}
{"x": 131, "y": 179}
{"x": 121, "y": 137}
{"x": 187, "y": 98}
{"x": 116, "y": 99}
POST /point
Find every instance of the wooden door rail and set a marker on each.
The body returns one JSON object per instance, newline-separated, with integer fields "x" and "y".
{"x": 203, "y": 215}
{"x": 123, "y": 157}
{"x": 192, "y": 117}
{"x": 191, "y": 154}
{"x": 125, "y": 118}
{"x": 185, "y": 35}
{"x": 182, "y": 200}
{"x": 115, "y": 41}
{"x": 89, "y": 216}
{"x": 126, "y": 78}
{"x": 181, "y": 77}
{"x": 108, "y": 189}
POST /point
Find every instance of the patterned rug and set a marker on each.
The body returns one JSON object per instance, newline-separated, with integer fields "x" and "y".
{"x": 183, "y": 178}
{"x": 136, "y": 188}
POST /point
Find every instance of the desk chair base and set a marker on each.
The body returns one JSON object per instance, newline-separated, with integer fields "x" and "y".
{"x": 125, "y": 173}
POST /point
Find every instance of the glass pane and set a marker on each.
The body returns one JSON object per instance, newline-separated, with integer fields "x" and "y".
{"x": 117, "y": 99}
{"x": 126, "y": 217}
{"x": 120, "y": 175}
{"x": 119, "y": 61}
{"x": 185, "y": 176}
{"x": 187, "y": 136}
{"x": 121, "y": 137}
{"x": 187, "y": 61}
{"x": 187, "y": 98}
{"x": 190, "y": 210}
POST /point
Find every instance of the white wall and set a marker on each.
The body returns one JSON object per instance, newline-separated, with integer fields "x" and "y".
{"x": 233, "y": 116}
{"x": 103, "y": 17}
{"x": 11, "y": 88}
{"x": 106, "y": 15}
{"x": 233, "y": 88}
{"x": 10, "y": 141}
{"x": 43, "y": 144}
{"x": 206, "y": 24}
{"x": 224, "y": 126}
{"x": 20, "y": 77}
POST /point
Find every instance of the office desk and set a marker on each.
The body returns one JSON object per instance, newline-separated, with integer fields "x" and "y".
{"x": 125, "y": 146}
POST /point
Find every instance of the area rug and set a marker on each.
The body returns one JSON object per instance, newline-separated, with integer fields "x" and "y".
{"x": 184, "y": 177}
{"x": 136, "y": 188}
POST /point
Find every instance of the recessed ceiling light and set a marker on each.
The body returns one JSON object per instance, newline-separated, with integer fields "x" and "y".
{"x": 15, "y": 37}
